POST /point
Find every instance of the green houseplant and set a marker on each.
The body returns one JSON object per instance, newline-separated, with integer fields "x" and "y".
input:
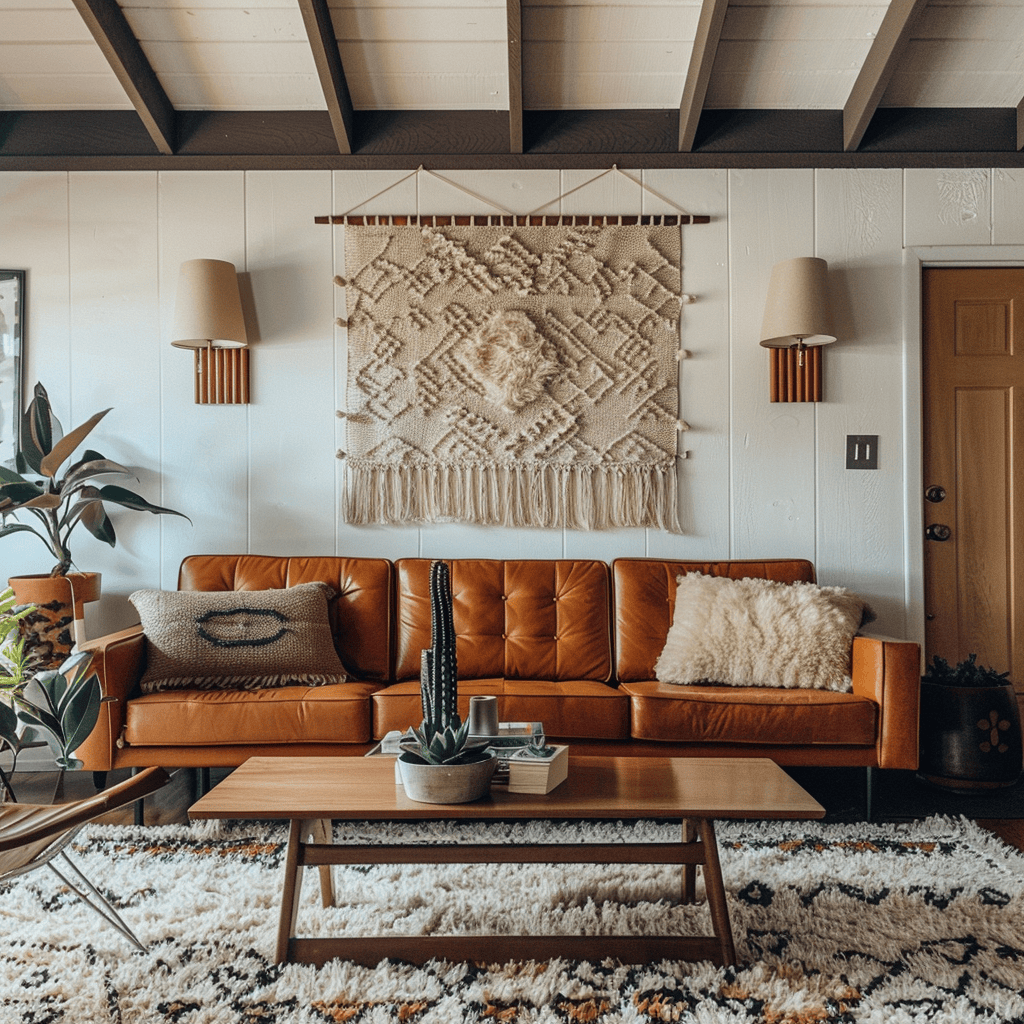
{"x": 60, "y": 707}
{"x": 439, "y": 765}
{"x": 970, "y": 726}
{"x": 49, "y": 496}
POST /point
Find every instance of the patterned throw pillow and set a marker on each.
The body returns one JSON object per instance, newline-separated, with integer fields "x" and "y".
{"x": 754, "y": 632}
{"x": 237, "y": 639}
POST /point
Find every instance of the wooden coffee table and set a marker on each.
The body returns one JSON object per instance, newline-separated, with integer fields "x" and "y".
{"x": 310, "y": 791}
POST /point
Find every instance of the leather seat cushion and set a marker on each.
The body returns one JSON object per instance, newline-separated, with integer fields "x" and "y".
{"x": 575, "y": 709}
{"x": 755, "y": 715}
{"x": 337, "y": 713}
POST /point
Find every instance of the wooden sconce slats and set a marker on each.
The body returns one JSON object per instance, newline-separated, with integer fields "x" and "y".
{"x": 221, "y": 376}
{"x": 791, "y": 382}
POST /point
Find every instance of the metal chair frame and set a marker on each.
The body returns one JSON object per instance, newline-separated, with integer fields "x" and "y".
{"x": 26, "y": 827}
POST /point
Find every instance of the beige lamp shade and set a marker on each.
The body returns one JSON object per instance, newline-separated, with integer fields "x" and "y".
{"x": 797, "y": 311}
{"x": 208, "y": 309}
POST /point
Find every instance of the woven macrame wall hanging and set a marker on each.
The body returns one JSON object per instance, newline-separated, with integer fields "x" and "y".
{"x": 513, "y": 375}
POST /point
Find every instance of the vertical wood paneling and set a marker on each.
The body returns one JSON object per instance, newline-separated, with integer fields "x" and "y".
{"x": 291, "y": 419}
{"x": 859, "y": 512}
{"x": 947, "y": 207}
{"x": 364, "y": 192}
{"x": 608, "y": 194}
{"x": 771, "y": 218}
{"x": 1008, "y": 206}
{"x": 704, "y": 376}
{"x": 115, "y": 361}
{"x": 34, "y": 238}
{"x": 205, "y": 459}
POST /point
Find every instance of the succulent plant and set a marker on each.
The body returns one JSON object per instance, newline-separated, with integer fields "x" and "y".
{"x": 966, "y": 673}
{"x": 442, "y": 737}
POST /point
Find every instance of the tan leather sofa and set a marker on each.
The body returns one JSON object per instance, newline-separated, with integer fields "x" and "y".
{"x": 570, "y": 643}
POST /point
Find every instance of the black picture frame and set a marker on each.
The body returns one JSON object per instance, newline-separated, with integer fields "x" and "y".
{"x": 12, "y": 350}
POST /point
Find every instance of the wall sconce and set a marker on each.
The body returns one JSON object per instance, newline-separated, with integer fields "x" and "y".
{"x": 797, "y": 322}
{"x": 208, "y": 319}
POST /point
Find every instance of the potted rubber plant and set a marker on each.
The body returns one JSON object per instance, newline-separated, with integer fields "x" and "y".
{"x": 50, "y": 496}
{"x": 440, "y": 765}
{"x": 970, "y": 726}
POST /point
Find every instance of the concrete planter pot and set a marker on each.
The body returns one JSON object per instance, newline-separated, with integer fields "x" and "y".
{"x": 447, "y": 783}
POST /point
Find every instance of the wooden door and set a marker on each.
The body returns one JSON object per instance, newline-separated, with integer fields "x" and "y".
{"x": 974, "y": 465}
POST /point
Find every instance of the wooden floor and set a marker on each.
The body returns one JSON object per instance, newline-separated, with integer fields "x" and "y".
{"x": 169, "y": 806}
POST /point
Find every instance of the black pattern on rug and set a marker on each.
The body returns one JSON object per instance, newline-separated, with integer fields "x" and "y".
{"x": 915, "y": 922}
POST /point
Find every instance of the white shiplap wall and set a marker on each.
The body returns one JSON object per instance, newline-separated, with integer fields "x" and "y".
{"x": 102, "y": 252}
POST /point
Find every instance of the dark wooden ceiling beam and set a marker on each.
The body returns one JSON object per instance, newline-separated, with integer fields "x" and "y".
{"x": 514, "y": 17}
{"x": 879, "y": 65}
{"x": 698, "y": 74}
{"x": 110, "y": 29}
{"x": 323, "y": 42}
{"x": 478, "y": 139}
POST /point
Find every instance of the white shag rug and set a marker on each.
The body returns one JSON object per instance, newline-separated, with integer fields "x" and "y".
{"x": 836, "y": 923}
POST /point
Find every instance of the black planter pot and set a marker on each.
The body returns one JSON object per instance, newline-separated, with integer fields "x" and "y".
{"x": 970, "y": 736}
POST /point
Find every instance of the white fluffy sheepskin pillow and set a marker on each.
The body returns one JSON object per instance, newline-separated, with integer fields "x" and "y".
{"x": 753, "y": 632}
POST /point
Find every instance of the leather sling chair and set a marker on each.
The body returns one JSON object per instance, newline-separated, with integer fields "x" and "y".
{"x": 32, "y": 835}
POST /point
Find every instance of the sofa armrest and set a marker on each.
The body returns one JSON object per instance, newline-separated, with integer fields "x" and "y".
{"x": 118, "y": 659}
{"x": 889, "y": 673}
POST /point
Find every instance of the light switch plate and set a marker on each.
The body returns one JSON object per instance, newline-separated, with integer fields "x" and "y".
{"x": 862, "y": 451}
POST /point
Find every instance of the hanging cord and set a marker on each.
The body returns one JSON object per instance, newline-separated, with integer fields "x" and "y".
{"x": 557, "y": 199}
{"x": 455, "y": 184}
{"x": 614, "y": 169}
{"x": 363, "y": 202}
{"x": 647, "y": 188}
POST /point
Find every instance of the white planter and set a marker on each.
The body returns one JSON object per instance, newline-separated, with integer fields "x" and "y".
{"x": 447, "y": 783}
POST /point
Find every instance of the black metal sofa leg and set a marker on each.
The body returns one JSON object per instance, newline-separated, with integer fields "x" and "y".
{"x": 869, "y": 784}
{"x": 99, "y": 780}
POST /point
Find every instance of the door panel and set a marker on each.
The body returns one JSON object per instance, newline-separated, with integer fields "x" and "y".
{"x": 973, "y": 416}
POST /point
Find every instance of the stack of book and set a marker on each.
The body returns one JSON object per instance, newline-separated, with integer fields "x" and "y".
{"x": 530, "y": 772}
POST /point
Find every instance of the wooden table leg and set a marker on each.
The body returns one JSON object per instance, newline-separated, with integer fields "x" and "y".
{"x": 291, "y": 889}
{"x": 323, "y": 832}
{"x": 715, "y": 887}
{"x": 689, "y": 885}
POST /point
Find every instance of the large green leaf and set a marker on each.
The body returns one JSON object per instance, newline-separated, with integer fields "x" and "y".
{"x": 95, "y": 519}
{"x": 8, "y": 725}
{"x": 75, "y": 667}
{"x": 8, "y": 476}
{"x": 42, "y": 719}
{"x": 86, "y": 469}
{"x": 21, "y": 491}
{"x": 63, "y": 449}
{"x": 36, "y": 438}
{"x": 80, "y": 713}
{"x": 6, "y": 531}
{"x": 129, "y": 499}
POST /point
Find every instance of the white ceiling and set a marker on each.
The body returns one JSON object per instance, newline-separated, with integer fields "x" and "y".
{"x": 251, "y": 55}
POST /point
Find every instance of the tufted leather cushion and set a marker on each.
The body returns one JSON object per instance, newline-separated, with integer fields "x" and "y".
{"x": 360, "y": 614}
{"x": 515, "y": 619}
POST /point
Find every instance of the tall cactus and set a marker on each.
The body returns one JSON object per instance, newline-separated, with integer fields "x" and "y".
{"x": 442, "y": 737}
{"x": 439, "y": 686}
